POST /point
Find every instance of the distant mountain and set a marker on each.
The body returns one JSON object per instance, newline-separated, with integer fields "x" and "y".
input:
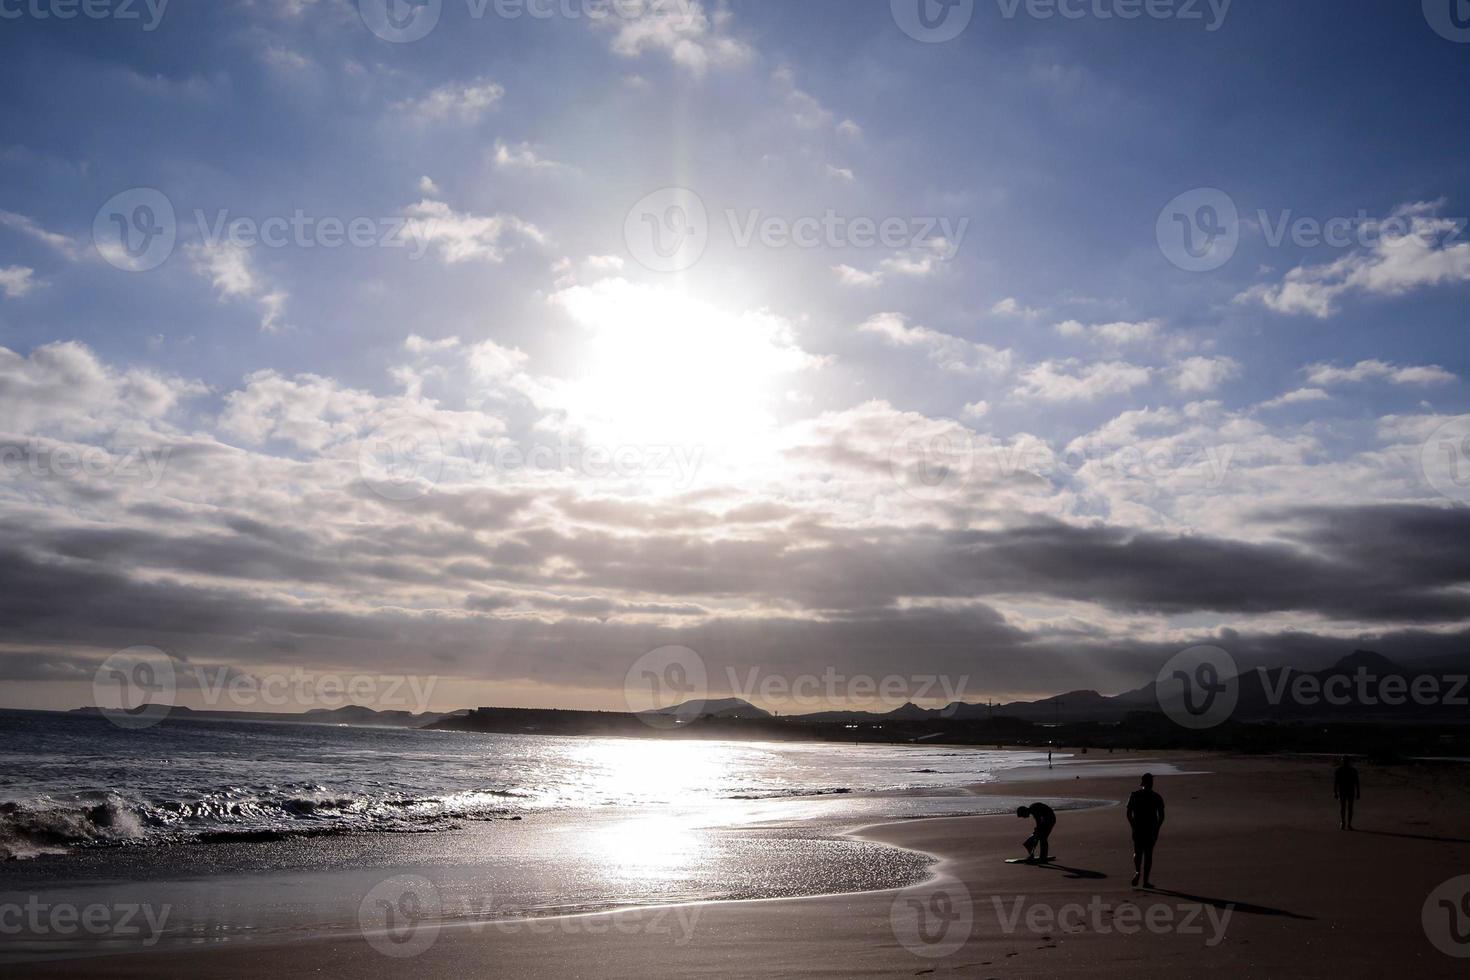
{"x": 1279, "y": 694}
{"x": 717, "y": 708}
{"x": 353, "y": 715}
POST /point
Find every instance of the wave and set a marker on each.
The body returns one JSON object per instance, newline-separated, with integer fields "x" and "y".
{"x": 45, "y": 825}
{"x": 779, "y": 794}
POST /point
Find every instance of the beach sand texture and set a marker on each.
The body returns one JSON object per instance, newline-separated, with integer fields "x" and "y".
{"x": 1254, "y": 880}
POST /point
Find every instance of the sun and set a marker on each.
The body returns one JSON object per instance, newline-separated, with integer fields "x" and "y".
{"x": 661, "y": 367}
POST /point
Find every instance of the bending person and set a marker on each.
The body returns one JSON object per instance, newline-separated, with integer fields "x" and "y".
{"x": 1046, "y": 821}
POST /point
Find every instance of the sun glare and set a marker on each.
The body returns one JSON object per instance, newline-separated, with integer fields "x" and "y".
{"x": 664, "y": 368}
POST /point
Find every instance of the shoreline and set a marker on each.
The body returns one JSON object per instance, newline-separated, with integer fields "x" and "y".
{"x": 1259, "y": 887}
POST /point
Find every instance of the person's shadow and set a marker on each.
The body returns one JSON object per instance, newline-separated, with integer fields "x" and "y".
{"x": 1221, "y": 903}
{"x": 1391, "y": 833}
{"x": 1070, "y": 872}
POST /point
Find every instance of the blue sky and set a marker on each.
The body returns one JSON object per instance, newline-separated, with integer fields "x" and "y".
{"x": 1044, "y": 350}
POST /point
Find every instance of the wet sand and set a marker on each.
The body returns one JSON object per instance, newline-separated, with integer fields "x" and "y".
{"x": 1254, "y": 880}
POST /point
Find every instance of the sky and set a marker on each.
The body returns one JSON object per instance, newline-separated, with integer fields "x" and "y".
{"x": 1003, "y": 348}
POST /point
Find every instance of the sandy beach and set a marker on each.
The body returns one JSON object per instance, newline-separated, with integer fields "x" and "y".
{"x": 1253, "y": 880}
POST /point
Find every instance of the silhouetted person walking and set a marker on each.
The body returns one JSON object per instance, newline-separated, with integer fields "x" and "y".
{"x": 1347, "y": 791}
{"x": 1046, "y": 821}
{"x": 1145, "y": 816}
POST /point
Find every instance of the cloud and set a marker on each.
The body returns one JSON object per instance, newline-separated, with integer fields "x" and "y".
{"x": 691, "y": 38}
{"x": 16, "y": 281}
{"x": 1012, "y": 307}
{"x": 231, "y": 269}
{"x": 949, "y": 352}
{"x": 1115, "y": 334}
{"x": 1066, "y": 381}
{"x": 849, "y": 276}
{"x": 1298, "y": 397}
{"x": 28, "y": 227}
{"x": 466, "y": 102}
{"x": 1409, "y": 250}
{"x": 1196, "y": 375}
{"x": 524, "y": 157}
{"x": 1326, "y": 375}
{"x": 463, "y": 237}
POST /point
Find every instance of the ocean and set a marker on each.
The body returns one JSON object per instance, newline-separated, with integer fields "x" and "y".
{"x": 246, "y": 831}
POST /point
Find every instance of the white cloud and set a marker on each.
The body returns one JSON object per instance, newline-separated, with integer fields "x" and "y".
{"x": 26, "y": 226}
{"x": 842, "y": 174}
{"x": 427, "y": 187}
{"x": 1410, "y": 252}
{"x": 1298, "y": 397}
{"x": 63, "y": 387}
{"x": 849, "y": 276}
{"x": 463, "y": 237}
{"x": 976, "y": 410}
{"x": 16, "y": 281}
{"x": 1202, "y": 374}
{"x": 1064, "y": 381}
{"x": 949, "y": 352}
{"x": 1012, "y": 307}
{"x": 467, "y": 102}
{"x": 692, "y": 39}
{"x": 1116, "y": 334}
{"x": 231, "y": 270}
{"x": 1326, "y": 375}
{"x": 524, "y": 157}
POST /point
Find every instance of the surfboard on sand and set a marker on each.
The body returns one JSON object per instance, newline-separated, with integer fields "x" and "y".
{"x": 1047, "y": 860}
